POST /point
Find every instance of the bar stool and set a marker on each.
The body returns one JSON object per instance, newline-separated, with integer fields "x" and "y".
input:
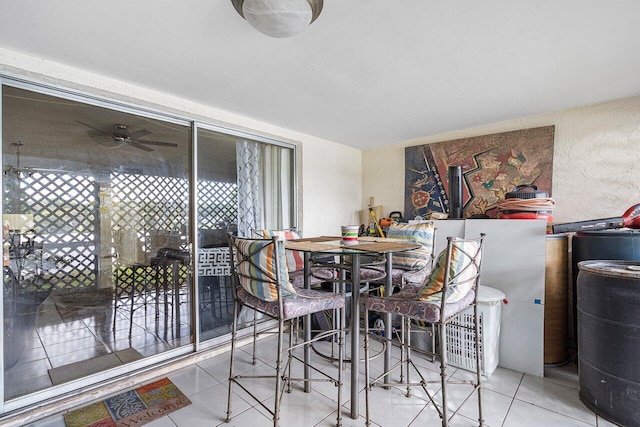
{"x": 451, "y": 288}
{"x": 261, "y": 282}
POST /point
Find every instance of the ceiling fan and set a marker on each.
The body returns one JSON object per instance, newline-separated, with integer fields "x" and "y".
{"x": 120, "y": 135}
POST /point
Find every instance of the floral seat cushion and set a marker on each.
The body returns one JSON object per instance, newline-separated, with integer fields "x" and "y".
{"x": 318, "y": 275}
{"x": 307, "y": 301}
{"x": 399, "y": 276}
{"x": 407, "y": 303}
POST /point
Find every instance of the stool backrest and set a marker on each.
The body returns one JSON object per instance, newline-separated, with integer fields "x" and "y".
{"x": 295, "y": 260}
{"x": 423, "y": 233}
{"x": 456, "y": 272}
{"x": 259, "y": 267}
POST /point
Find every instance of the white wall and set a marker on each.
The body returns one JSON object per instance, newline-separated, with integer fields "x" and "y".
{"x": 332, "y": 186}
{"x": 329, "y": 174}
{"x": 596, "y": 165}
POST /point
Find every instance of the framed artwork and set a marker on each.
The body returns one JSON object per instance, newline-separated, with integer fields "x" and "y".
{"x": 492, "y": 165}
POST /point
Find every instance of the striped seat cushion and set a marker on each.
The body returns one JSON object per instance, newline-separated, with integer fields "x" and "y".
{"x": 422, "y": 233}
{"x": 257, "y": 274}
{"x": 295, "y": 261}
{"x": 462, "y": 272}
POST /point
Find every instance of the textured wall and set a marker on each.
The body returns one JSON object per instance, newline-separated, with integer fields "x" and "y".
{"x": 596, "y": 165}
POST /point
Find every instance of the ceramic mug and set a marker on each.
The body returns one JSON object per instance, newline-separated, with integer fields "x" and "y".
{"x": 350, "y": 234}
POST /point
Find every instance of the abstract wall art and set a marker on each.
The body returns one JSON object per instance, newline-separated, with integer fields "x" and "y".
{"x": 492, "y": 165}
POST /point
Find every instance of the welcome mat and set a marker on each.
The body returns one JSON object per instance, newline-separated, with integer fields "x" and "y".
{"x": 132, "y": 408}
{"x": 76, "y": 370}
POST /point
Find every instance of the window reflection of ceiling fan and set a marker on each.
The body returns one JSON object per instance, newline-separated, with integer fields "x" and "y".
{"x": 120, "y": 135}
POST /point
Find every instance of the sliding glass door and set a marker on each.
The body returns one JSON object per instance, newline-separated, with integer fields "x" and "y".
{"x": 96, "y": 259}
{"x": 100, "y": 204}
{"x": 244, "y": 186}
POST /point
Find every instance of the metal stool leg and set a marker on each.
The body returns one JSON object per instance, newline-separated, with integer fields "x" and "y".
{"x": 234, "y": 330}
{"x": 278, "y": 397}
{"x": 476, "y": 326}
{"x": 367, "y": 387}
{"x": 443, "y": 372}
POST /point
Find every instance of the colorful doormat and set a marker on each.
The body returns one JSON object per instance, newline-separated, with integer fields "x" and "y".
{"x": 131, "y": 408}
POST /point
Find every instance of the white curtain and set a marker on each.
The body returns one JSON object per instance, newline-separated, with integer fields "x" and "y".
{"x": 250, "y": 203}
{"x": 265, "y": 194}
{"x": 277, "y": 188}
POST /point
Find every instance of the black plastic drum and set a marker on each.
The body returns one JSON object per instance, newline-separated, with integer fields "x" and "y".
{"x": 609, "y": 339}
{"x": 622, "y": 244}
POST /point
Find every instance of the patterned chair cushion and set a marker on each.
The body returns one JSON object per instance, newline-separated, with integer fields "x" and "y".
{"x": 399, "y": 276}
{"x": 462, "y": 271}
{"x": 261, "y": 282}
{"x": 415, "y": 277}
{"x": 413, "y": 288}
{"x": 295, "y": 261}
{"x": 407, "y": 303}
{"x": 422, "y": 233}
{"x": 308, "y": 301}
{"x": 318, "y": 275}
{"x": 368, "y": 274}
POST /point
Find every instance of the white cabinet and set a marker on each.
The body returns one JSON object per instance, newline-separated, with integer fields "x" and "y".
{"x": 514, "y": 262}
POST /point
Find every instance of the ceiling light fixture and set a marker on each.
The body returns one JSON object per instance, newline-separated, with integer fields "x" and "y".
{"x": 279, "y": 18}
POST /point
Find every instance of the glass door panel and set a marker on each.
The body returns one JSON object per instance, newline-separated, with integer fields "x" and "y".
{"x": 95, "y": 238}
{"x": 244, "y": 186}
{"x": 217, "y": 216}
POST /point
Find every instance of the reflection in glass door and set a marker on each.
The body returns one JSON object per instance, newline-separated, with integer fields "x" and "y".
{"x": 217, "y": 216}
{"x": 244, "y": 186}
{"x": 96, "y": 261}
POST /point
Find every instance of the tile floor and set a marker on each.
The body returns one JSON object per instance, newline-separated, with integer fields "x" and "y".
{"x": 73, "y": 331}
{"x": 66, "y": 335}
{"x": 510, "y": 399}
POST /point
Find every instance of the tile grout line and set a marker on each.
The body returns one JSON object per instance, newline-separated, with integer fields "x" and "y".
{"x": 512, "y": 399}
{"x": 548, "y": 409}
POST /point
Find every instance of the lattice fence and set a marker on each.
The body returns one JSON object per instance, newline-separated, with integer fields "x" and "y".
{"x": 65, "y": 209}
{"x": 64, "y": 213}
{"x": 218, "y": 204}
{"x": 145, "y": 202}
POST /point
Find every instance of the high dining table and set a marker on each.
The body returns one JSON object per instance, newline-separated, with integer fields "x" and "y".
{"x": 332, "y": 246}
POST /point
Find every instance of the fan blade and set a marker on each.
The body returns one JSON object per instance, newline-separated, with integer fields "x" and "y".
{"x": 139, "y": 134}
{"x": 164, "y": 144}
{"x": 139, "y": 146}
{"x": 94, "y": 128}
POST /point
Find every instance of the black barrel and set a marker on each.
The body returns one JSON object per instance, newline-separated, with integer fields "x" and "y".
{"x": 609, "y": 339}
{"x": 622, "y": 244}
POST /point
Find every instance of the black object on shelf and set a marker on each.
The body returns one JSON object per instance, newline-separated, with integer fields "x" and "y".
{"x": 455, "y": 192}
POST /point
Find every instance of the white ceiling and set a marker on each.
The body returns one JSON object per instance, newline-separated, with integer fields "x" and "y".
{"x": 367, "y": 73}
